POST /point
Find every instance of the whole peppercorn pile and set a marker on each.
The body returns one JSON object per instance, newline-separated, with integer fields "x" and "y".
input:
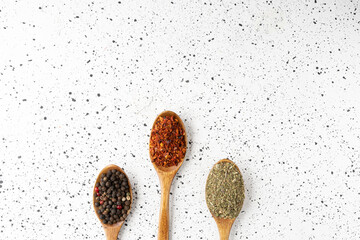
{"x": 167, "y": 142}
{"x": 112, "y": 197}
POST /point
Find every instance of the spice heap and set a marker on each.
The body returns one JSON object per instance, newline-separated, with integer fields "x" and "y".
{"x": 167, "y": 142}
{"x": 225, "y": 190}
{"x": 112, "y": 197}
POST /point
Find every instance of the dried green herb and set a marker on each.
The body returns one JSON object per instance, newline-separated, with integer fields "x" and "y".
{"x": 225, "y": 190}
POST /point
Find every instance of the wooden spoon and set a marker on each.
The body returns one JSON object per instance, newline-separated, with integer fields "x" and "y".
{"x": 166, "y": 176}
{"x": 111, "y": 231}
{"x": 224, "y": 224}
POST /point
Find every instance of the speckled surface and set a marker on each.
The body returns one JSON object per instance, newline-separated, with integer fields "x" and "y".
{"x": 272, "y": 85}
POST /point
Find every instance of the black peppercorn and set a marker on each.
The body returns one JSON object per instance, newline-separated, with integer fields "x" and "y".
{"x": 112, "y": 199}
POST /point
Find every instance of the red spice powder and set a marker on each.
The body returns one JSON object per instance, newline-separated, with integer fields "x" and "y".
{"x": 167, "y": 142}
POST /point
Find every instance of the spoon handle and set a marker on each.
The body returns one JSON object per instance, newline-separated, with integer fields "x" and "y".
{"x": 224, "y": 226}
{"x": 163, "y": 233}
{"x": 112, "y": 233}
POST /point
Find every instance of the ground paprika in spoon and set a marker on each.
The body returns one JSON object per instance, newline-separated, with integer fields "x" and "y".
{"x": 167, "y": 142}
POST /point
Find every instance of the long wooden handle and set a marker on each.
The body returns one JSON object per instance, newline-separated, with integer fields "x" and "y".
{"x": 163, "y": 233}
{"x": 112, "y": 233}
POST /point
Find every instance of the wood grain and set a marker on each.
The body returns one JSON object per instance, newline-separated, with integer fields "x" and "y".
{"x": 165, "y": 183}
{"x": 112, "y": 233}
{"x": 224, "y": 226}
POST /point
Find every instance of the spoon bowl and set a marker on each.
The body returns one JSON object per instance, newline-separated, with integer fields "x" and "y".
{"x": 172, "y": 168}
{"x": 111, "y": 231}
{"x": 225, "y": 224}
{"x": 166, "y": 176}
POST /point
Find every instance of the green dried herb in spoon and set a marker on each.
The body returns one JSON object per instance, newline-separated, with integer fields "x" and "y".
{"x": 225, "y": 190}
